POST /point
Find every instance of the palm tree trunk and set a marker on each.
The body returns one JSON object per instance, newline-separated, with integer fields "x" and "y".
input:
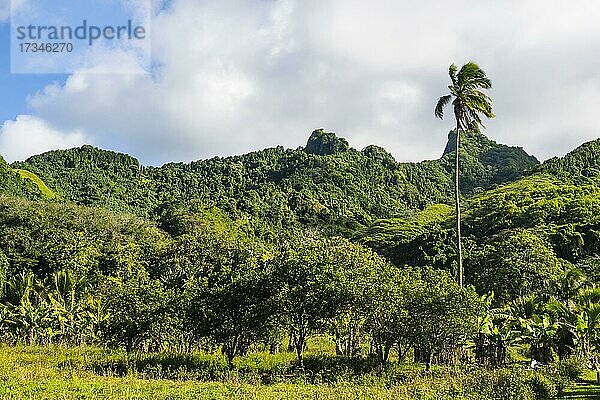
{"x": 457, "y": 199}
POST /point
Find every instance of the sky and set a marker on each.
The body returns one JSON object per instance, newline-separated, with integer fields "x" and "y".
{"x": 235, "y": 76}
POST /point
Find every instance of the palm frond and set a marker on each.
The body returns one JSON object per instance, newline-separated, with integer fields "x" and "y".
{"x": 470, "y": 103}
{"x": 452, "y": 72}
{"x": 471, "y": 75}
{"x": 442, "y": 102}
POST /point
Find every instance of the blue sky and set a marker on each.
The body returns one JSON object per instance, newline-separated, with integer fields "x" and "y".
{"x": 241, "y": 75}
{"x": 16, "y": 87}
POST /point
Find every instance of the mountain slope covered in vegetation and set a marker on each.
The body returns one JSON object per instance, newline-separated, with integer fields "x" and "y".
{"x": 327, "y": 184}
{"x": 14, "y": 183}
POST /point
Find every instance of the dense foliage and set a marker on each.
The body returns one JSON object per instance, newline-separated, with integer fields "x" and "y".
{"x": 327, "y": 184}
{"x": 81, "y": 275}
{"x": 12, "y": 183}
{"x": 266, "y": 251}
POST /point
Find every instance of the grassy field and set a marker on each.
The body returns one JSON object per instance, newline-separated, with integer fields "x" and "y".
{"x": 588, "y": 388}
{"x": 59, "y": 373}
{"x": 92, "y": 373}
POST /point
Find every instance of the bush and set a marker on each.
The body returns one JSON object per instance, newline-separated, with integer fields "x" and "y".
{"x": 501, "y": 384}
{"x": 542, "y": 386}
{"x": 511, "y": 385}
{"x": 199, "y": 367}
{"x": 573, "y": 368}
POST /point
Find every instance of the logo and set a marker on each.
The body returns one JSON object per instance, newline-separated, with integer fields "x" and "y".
{"x": 65, "y": 36}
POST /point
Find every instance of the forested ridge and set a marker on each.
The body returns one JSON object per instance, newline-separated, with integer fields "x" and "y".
{"x": 264, "y": 251}
{"x": 326, "y": 184}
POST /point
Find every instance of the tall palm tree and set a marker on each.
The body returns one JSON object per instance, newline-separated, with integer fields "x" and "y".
{"x": 469, "y": 104}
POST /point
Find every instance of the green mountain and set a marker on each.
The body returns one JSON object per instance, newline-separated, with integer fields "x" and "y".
{"x": 580, "y": 165}
{"x": 485, "y": 163}
{"x": 326, "y": 184}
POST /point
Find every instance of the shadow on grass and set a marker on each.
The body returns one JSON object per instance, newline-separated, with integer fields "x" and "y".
{"x": 262, "y": 368}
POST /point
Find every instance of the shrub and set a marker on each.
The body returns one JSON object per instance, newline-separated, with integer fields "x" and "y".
{"x": 572, "y": 368}
{"x": 511, "y": 385}
{"x": 501, "y": 384}
{"x": 542, "y": 386}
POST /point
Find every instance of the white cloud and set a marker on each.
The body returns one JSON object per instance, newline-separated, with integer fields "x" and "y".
{"x": 235, "y": 76}
{"x": 27, "y": 135}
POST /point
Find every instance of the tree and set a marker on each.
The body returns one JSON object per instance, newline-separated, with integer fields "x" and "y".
{"x": 443, "y": 315}
{"x": 588, "y": 320}
{"x": 25, "y": 308}
{"x": 233, "y": 304}
{"x": 143, "y": 315}
{"x": 539, "y": 325}
{"x": 312, "y": 289}
{"x": 514, "y": 263}
{"x": 495, "y": 334}
{"x": 385, "y": 306}
{"x": 469, "y": 104}
{"x": 375, "y": 293}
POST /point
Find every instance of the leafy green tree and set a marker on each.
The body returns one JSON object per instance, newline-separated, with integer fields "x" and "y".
{"x": 469, "y": 103}
{"x": 68, "y": 300}
{"x": 388, "y": 318}
{"x": 365, "y": 275}
{"x": 142, "y": 313}
{"x": 514, "y": 264}
{"x": 540, "y": 332}
{"x": 588, "y": 321}
{"x": 443, "y": 315}
{"x": 27, "y": 312}
{"x": 571, "y": 282}
{"x": 496, "y": 333}
{"x": 233, "y": 304}
{"x": 539, "y": 325}
{"x": 312, "y": 288}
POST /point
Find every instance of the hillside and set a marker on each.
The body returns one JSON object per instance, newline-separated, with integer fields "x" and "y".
{"x": 520, "y": 237}
{"x": 327, "y": 184}
{"x": 485, "y": 163}
{"x": 13, "y": 183}
{"x": 580, "y": 165}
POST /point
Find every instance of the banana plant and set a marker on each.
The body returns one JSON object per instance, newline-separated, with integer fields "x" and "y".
{"x": 540, "y": 332}
{"x": 26, "y": 307}
{"x": 496, "y": 334}
{"x": 588, "y": 321}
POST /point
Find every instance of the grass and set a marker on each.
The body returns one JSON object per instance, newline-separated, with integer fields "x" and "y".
{"x": 582, "y": 391}
{"x": 54, "y": 372}
{"x": 45, "y": 190}
{"x": 588, "y": 388}
{"x": 61, "y": 373}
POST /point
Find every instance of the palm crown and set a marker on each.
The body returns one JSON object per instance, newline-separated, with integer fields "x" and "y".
{"x": 469, "y": 103}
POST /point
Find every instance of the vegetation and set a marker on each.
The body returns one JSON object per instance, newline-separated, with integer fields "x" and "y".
{"x": 74, "y": 373}
{"x": 278, "y": 189}
{"x": 322, "y": 271}
{"x": 12, "y": 183}
{"x": 33, "y": 178}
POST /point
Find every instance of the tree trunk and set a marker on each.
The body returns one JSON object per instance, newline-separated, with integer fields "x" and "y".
{"x": 428, "y": 361}
{"x": 457, "y": 199}
{"x": 300, "y": 349}
{"x": 291, "y": 342}
{"x": 230, "y": 350}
